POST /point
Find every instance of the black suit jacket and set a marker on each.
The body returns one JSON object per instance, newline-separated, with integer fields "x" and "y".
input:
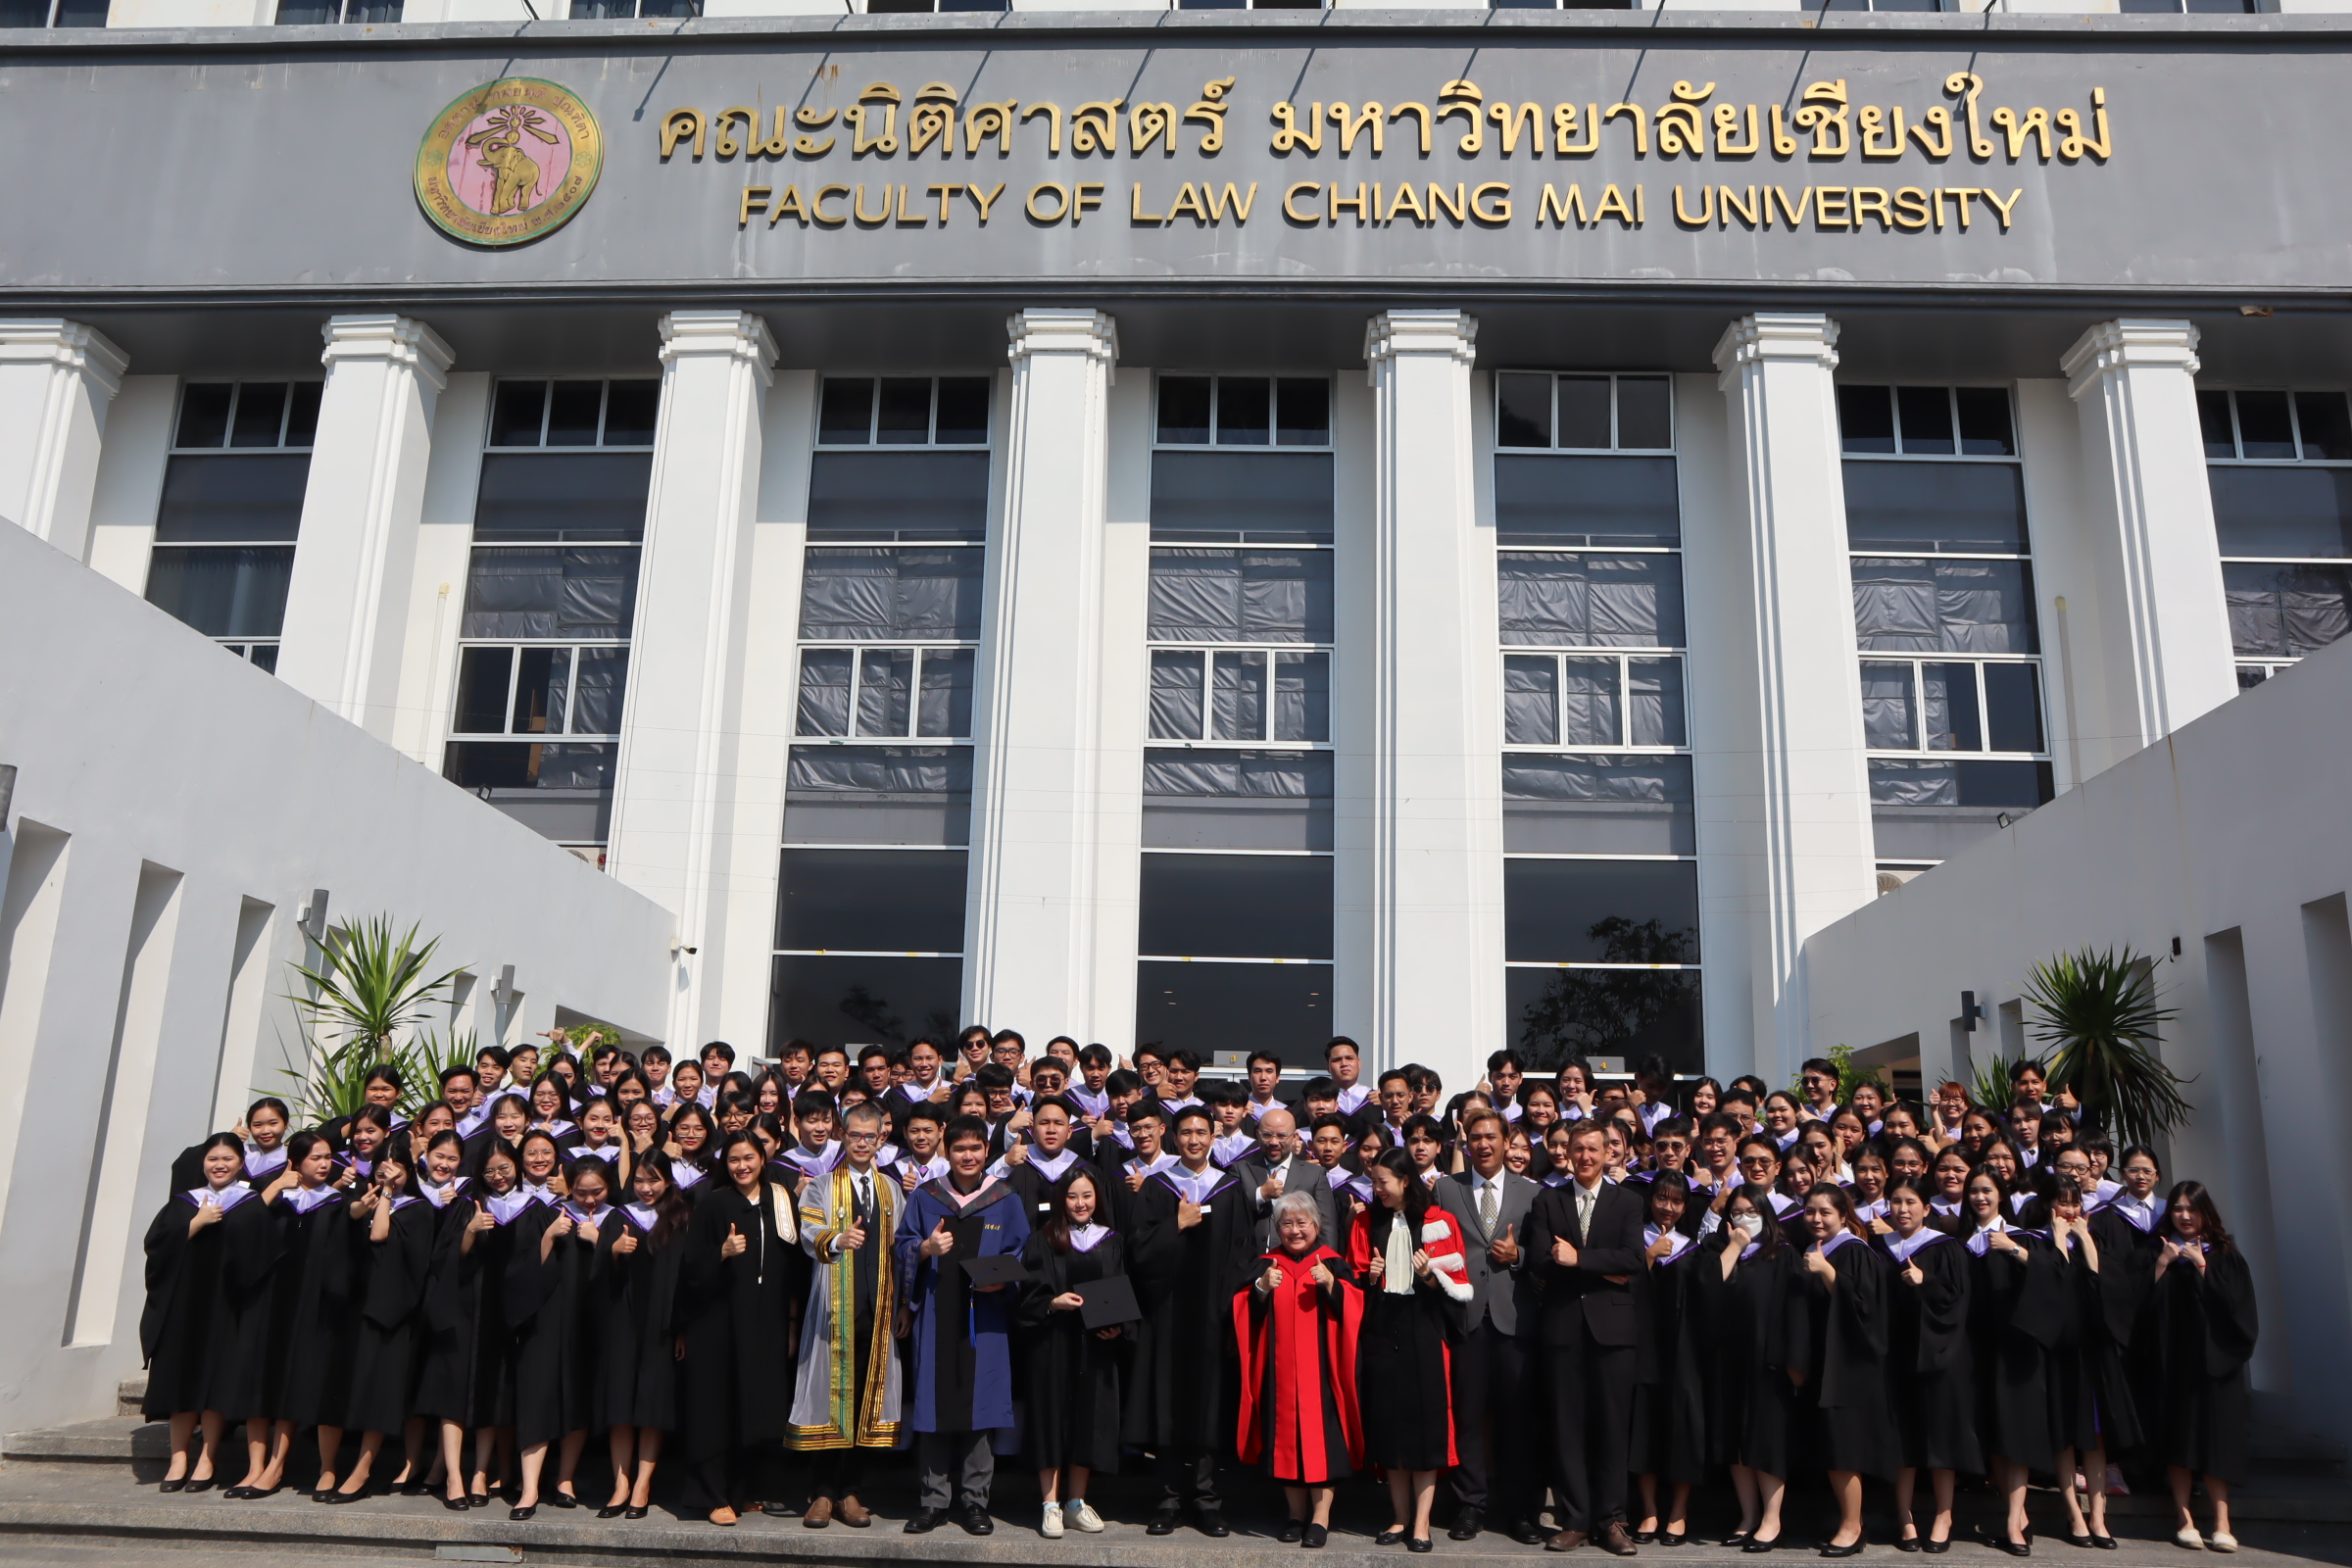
{"x": 1581, "y": 1297}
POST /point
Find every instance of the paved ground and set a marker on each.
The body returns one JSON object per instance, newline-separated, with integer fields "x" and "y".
{"x": 96, "y": 1515}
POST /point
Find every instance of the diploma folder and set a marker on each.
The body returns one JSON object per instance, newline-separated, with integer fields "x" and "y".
{"x": 1107, "y": 1302}
{"x": 1003, "y": 1269}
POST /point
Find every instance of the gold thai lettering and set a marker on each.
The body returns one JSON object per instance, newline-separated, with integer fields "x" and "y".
{"x": 1877, "y": 142}
{"x": 932, "y": 119}
{"x": 1209, "y": 110}
{"x": 1966, "y": 85}
{"x": 1095, "y": 126}
{"x": 1462, "y": 97}
{"x": 1150, "y": 122}
{"x": 1680, "y": 127}
{"x": 1823, "y": 112}
{"x": 1726, "y": 122}
{"x": 726, "y": 146}
{"x": 1640, "y": 119}
{"x": 1353, "y": 124}
{"x": 2035, "y": 123}
{"x": 1563, "y": 131}
{"x": 1419, "y": 112}
{"x": 2075, "y": 144}
{"x": 1527, "y": 118}
{"x": 1053, "y": 124}
{"x": 680, "y": 124}
{"x": 1290, "y": 135}
{"x": 983, "y": 120}
{"x": 881, "y": 98}
{"x": 1939, "y": 145}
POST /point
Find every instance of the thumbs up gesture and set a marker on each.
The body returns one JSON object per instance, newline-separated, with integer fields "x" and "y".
{"x": 1270, "y": 1281}
{"x": 734, "y": 1245}
{"x": 939, "y": 1242}
{"x": 1503, "y": 1250}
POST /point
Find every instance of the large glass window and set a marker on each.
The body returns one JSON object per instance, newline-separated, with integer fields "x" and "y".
{"x": 1944, "y": 616}
{"x": 232, "y": 506}
{"x": 1237, "y": 903}
{"x": 2281, "y": 467}
{"x": 54, "y": 13}
{"x": 314, "y": 13}
{"x": 550, "y": 599}
{"x": 869, "y": 922}
{"x": 1601, "y": 952}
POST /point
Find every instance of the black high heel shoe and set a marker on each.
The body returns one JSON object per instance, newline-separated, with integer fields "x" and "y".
{"x": 173, "y": 1486}
{"x": 519, "y": 1513}
{"x": 1420, "y": 1543}
{"x": 1906, "y": 1542}
{"x": 562, "y": 1499}
{"x": 2104, "y": 1543}
{"x": 1852, "y": 1548}
{"x": 1936, "y": 1548}
{"x": 457, "y": 1504}
{"x": 1753, "y": 1544}
{"x": 2082, "y": 1542}
{"x": 206, "y": 1484}
{"x": 1735, "y": 1541}
{"x": 635, "y": 1513}
{"x": 610, "y": 1510}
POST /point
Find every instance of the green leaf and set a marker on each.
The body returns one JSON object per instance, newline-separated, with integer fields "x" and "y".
{"x": 2099, "y": 1016}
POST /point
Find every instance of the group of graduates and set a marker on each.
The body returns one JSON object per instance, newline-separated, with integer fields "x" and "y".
{"x": 1549, "y": 1295}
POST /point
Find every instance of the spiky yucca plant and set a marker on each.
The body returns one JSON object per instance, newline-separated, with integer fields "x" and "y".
{"x": 369, "y": 989}
{"x": 2098, "y": 1013}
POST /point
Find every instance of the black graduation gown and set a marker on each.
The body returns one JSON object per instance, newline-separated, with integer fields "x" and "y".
{"x": 2205, "y": 1327}
{"x": 1070, "y": 1381}
{"x": 2075, "y": 1410}
{"x": 1181, "y": 1390}
{"x": 384, "y": 1346}
{"x": 206, "y": 1327}
{"x": 463, "y": 1342}
{"x": 1401, "y": 1370}
{"x": 313, "y": 1324}
{"x": 1839, "y": 1337}
{"x": 2123, "y": 1356}
{"x": 1669, "y": 1433}
{"x": 636, "y": 1329}
{"x": 2016, "y": 1310}
{"x": 1751, "y": 1406}
{"x": 554, "y": 1361}
{"x": 734, "y": 1387}
{"x": 1928, "y": 1367}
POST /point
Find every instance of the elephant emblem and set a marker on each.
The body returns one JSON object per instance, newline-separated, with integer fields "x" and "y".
{"x": 515, "y": 173}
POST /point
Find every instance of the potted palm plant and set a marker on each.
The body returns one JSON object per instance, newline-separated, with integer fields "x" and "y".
{"x": 363, "y": 1005}
{"x": 2099, "y": 1016}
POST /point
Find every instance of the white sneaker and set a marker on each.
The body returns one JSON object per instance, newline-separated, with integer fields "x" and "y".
{"x": 1051, "y": 1529}
{"x": 1083, "y": 1517}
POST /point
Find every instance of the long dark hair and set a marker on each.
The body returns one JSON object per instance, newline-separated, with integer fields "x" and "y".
{"x": 671, "y": 1211}
{"x": 1674, "y": 1181}
{"x": 1057, "y": 1228}
{"x": 1400, "y": 1164}
{"x": 2215, "y": 1236}
{"x": 741, "y": 1135}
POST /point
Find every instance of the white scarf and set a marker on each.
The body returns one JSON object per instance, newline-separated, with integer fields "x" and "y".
{"x": 1095, "y": 1107}
{"x": 302, "y": 1200}
{"x": 504, "y": 1206}
{"x": 1649, "y": 1238}
{"x": 1397, "y": 1274}
{"x": 1138, "y": 1167}
{"x": 1052, "y": 1167}
{"x": 641, "y": 1217}
{"x": 260, "y": 1163}
{"x": 1902, "y": 1250}
{"x": 225, "y": 1198}
{"x": 1352, "y": 1098}
{"x": 1086, "y": 1237}
{"x": 1194, "y": 1189}
{"x": 432, "y": 1194}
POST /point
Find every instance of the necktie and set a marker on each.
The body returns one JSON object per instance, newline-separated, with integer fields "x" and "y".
{"x": 1583, "y": 1212}
{"x": 1490, "y": 1207}
{"x": 865, "y": 1203}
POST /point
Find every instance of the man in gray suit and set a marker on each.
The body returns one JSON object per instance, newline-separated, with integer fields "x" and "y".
{"x": 1281, "y": 1166}
{"x": 1496, "y": 1328}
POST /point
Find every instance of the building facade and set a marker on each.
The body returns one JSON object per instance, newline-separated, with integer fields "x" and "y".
{"x": 1456, "y": 528}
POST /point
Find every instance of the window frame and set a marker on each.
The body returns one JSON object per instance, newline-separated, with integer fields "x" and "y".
{"x": 1272, "y": 379}
{"x": 2264, "y": 668}
{"x": 921, "y": 648}
{"x": 873, "y": 419}
{"x": 1674, "y": 424}
{"x": 260, "y": 650}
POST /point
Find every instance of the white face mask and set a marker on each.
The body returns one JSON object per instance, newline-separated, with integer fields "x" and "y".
{"x": 1750, "y": 1226}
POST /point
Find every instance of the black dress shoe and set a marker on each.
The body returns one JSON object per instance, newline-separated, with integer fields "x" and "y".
{"x": 1420, "y": 1543}
{"x": 1614, "y": 1539}
{"x": 1291, "y": 1531}
{"x": 456, "y": 1504}
{"x": 1213, "y": 1522}
{"x": 413, "y": 1489}
{"x": 1936, "y": 1548}
{"x": 2082, "y": 1541}
{"x": 634, "y": 1513}
{"x": 1163, "y": 1523}
{"x": 519, "y": 1512}
{"x": 236, "y": 1494}
{"x": 347, "y": 1496}
{"x": 478, "y": 1499}
{"x": 1906, "y": 1542}
{"x": 562, "y": 1499}
{"x": 610, "y": 1510}
{"x": 2015, "y": 1548}
{"x": 1466, "y": 1525}
{"x": 2104, "y": 1543}
{"x": 779, "y": 1510}
{"x": 1316, "y": 1535}
{"x": 1852, "y": 1548}
{"x": 1645, "y": 1537}
{"x": 206, "y": 1484}
{"x": 1388, "y": 1537}
{"x": 1751, "y": 1543}
{"x": 1527, "y": 1533}
{"x": 1735, "y": 1540}
{"x": 1671, "y": 1537}
{"x": 173, "y": 1486}
{"x": 925, "y": 1520}
{"x": 975, "y": 1520}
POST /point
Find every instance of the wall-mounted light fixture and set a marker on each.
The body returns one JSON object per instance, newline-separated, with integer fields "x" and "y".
{"x": 313, "y": 916}
{"x": 1971, "y": 1014}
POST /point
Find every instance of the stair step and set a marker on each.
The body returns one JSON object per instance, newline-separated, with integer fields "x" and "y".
{"x": 118, "y": 1440}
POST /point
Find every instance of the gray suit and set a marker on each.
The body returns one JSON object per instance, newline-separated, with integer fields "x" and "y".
{"x": 1494, "y": 1353}
{"x": 1305, "y": 1176}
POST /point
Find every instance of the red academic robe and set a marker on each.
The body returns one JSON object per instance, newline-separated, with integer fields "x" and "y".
{"x": 1292, "y": 1341}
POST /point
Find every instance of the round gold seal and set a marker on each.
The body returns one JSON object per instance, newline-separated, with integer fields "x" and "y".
{"x": 508, "y": 161}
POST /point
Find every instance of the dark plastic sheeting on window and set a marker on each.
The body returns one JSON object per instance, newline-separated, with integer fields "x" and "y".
{"x": 1589, "y": 601}
{"x": 1235, "y": 905}
{"x": 1965, "y": 507}
{"x": 2284, "y": 611}
{"x": 1598, "y": 806}
{"x": 898, "y": 495}
{"x": 1554, "y": 1015}
{"x": 1280, "y": 775}
{"x": 249, "y": 498}
{"x": 1240, "y": 596}
{"x": 1280, "y": 1007}
{"x": 1237, "y": 800}
{"x": 1600, "y": 911}
{"x": 2013, "y": 787}
{"x": 853, "y": 1001}
{"x": 2275, "y": 512}
{"x": 871, "y": 901}
{"x": 223, "y": 590}
{"x": 560, "y": 790}
{"x": 1232, "y": 495}
{"x": 889, "y": 594}
{"x": 551, "y": 593}
{"x": 1941, "y": 605}
{"x": 563, "y": 496}
{"x": 878, "y": 795}
{"x": 1585, "y": 500}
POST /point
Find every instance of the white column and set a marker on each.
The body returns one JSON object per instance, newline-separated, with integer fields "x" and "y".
{"x": 673, "y": 798}
{"x": 1031, "y": 925}
{"x": 347, "y": 603}
{"x": 1432, "y": 778}
{"x": 57, "y": 378}
{"x": 1799, "y": 812}
{"x": 2163, "y": 629}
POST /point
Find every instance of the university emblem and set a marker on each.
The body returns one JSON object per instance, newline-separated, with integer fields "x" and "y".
{"x": 508, "y": 161}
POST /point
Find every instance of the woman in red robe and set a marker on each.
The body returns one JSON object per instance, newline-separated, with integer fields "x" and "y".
{"x": 1297, "y": 1322}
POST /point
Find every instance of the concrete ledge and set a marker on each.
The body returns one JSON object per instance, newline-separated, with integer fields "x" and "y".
{"x": 120, "y": 1439}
